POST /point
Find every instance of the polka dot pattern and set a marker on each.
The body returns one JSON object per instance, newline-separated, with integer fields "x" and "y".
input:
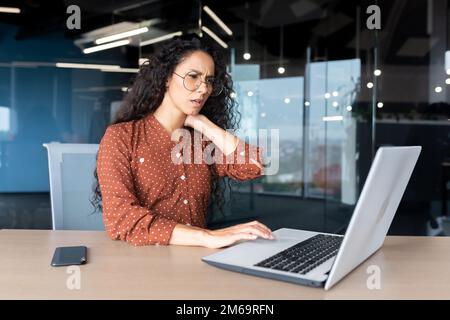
{"x": 145, "y": 194}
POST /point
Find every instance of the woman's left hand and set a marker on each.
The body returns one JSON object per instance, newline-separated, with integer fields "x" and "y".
{"x": 197, "y": 122}
{"x": 224, "y": 140}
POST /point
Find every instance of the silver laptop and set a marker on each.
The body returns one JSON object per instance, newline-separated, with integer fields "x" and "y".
{"x": 321, "y": 259}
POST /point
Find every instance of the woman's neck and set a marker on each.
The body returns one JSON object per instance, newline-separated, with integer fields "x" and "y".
{"x": 170, "y": 117}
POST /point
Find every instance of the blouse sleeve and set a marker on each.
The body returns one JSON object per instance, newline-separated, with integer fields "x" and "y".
{"x": 123, "y": 216}
{"x": 242, "y": 164}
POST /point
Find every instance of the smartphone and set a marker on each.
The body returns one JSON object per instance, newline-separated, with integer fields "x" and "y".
{"x": 67, "y": 256}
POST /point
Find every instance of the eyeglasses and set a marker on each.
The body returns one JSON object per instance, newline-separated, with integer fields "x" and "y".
{"x": 193, "y": 81}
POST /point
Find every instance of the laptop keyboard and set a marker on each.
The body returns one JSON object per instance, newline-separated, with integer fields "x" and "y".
{"x": 304, "y": 256}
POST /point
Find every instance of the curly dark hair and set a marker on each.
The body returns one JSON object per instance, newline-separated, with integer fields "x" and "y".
{"x": 147, "y": 93}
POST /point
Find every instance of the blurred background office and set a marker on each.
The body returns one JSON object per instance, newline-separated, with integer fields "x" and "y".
{"x": 320, "y": 71}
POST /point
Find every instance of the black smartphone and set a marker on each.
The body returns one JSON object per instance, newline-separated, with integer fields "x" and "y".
{"x": 67, "y": 256}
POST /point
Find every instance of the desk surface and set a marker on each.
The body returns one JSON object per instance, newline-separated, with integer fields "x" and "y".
{"x": 411, "y": 268}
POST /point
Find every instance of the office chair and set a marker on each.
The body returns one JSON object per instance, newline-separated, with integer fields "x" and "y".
{"x": 71, "y": 173}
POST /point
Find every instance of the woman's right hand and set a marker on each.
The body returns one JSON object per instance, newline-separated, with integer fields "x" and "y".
{"x": 228, "y": 236}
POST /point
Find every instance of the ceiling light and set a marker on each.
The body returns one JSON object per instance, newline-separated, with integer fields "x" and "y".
{"x": 87, "y": 66}
{"x": 121, "y": 35}
{"x": 281, "y": 69}
{"x": 161, "y": 38}
{"x": 217, "y": 20}
{"x": 215, "y": 37}
{"x": 106, "y": 46}
{"x": 9, "y": 10}
{"x": 126, "y": 70}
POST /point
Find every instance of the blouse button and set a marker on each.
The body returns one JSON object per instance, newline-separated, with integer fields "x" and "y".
{"x": 141, "y": 160}
{"x": 242, "y": 153}
{"x": 185, "y": 201}
{"x": 178, "y": 155}
{"x": 183, "y": 177}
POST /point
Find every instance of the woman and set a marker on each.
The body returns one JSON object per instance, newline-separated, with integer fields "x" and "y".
{"x": 147, "y": 196}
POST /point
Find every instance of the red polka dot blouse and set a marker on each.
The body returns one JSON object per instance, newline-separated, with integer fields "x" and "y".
{"x": 148, "y": 186}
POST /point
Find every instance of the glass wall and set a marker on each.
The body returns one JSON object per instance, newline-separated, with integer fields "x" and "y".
{"x": 300, "y": 82}
{"x": 362, "y": 88}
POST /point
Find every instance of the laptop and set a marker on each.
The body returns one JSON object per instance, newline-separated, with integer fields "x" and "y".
{"x": 322, "y": 259}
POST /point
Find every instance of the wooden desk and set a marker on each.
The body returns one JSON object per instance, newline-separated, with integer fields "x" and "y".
{"x": 411, "y": 268}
